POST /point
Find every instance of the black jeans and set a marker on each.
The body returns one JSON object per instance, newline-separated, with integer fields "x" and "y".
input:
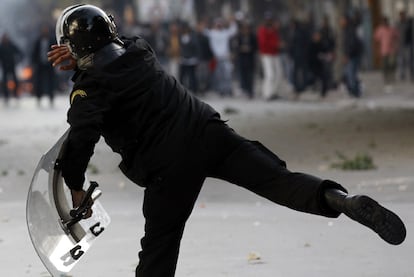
{"x": 300, "y": 76}
{"x": 188, "y": 77}
{"x": 44, "y": 81}
{"x": 223, "y": 154}
{"x": 247, "y": 71}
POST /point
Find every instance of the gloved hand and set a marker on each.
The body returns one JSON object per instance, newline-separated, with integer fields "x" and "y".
{"x": 77, "y": 198}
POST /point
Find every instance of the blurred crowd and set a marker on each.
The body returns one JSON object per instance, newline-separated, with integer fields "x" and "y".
{"x": 233, "y": 56}
{"x": 36, "y": 77}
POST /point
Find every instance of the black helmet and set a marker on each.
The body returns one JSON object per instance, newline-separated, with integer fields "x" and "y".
{"x": 85, "y": 29}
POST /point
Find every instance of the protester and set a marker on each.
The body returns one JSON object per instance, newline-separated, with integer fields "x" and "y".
{"x": 387, "y": 38}
{"x": 328, "y": 42}
{"x": 173, "y": 49}
{"x": 130, "y": 25}
{"x": 405, "y": 53}
{"x": 299, "y": 52}
{"x": 189, "y": 57}
{"x": 352, "y": 53}
{"x": 10, "y": 55}
{"x": 246, "y": 49}
{"x": 170, "y": 141}
{"x": 321, "y": 56}
{"x": 157, "y": 37}
{"x": 286, "y": 37}
{"x": 44, "y": 73}
{"x": 219, "y": 38}
{"x": 269, "y": 43}
{"x": 204, "y": 58}
{"x": 317, "y": 57}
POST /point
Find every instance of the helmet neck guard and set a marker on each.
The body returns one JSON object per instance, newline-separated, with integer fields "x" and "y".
{"x": 102, "y": 57}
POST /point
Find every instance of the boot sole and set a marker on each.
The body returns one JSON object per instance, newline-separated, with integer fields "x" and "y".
{"x": 381, "y": 220}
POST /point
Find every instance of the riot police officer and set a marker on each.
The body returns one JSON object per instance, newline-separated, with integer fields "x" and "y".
{"x": 170, "y": 141}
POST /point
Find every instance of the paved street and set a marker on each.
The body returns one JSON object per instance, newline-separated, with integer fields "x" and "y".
{"x": 232, "y": 232}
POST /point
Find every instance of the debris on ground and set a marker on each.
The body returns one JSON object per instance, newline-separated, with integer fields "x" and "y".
{"x": 253, "y": 257}
{"x": 230, "y": 110}
{"x": 359, "y": 162}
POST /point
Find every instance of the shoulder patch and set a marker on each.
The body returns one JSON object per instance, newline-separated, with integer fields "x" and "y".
{"x": 77, "y": 92}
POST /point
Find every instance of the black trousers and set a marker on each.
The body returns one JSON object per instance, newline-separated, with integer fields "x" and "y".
{"x": 9, "y": 72}
{"x": 44, "y": 81}
{"x": 247, "y": 71}
{"x": 188, "y": 77}
{"x": 223, "y": 154}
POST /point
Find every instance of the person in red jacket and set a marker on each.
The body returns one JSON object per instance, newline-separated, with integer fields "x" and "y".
{"x": 269, "y": 44}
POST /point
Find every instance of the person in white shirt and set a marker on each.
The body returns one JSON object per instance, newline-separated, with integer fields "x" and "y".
{"x": 220, "y": 45}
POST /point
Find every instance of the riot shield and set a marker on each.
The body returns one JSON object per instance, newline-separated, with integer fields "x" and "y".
{"x": 58, "y": 232}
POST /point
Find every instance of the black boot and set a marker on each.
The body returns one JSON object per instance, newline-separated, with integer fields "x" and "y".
{"x": 368, "y": 212}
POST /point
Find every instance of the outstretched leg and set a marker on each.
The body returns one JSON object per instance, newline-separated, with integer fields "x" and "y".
{"x": 251, "y": 165}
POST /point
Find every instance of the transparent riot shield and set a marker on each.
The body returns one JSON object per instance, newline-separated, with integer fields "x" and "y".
{"x": 59, "y": 234}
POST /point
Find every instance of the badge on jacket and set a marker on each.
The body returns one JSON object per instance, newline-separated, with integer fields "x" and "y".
{"x": 78, "y": 92}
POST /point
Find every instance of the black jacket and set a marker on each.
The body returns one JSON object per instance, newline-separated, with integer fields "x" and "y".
{"x": 352, "y": 44}
{"x": 245, "y": 45}
{"x": 10, "y": 55}
{"x": 142, "y": 112}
